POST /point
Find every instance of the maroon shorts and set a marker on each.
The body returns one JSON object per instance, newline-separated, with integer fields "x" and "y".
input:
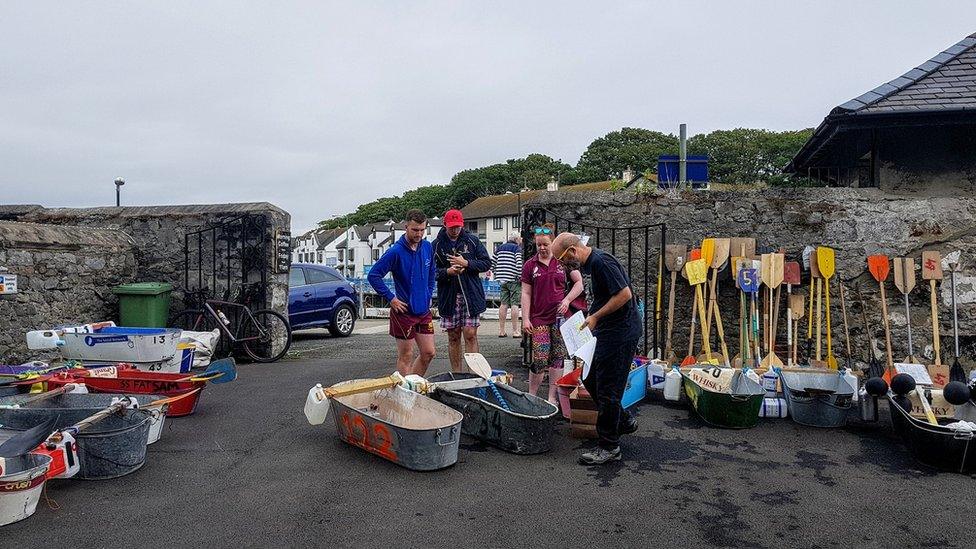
{"x": 406, "y": 326}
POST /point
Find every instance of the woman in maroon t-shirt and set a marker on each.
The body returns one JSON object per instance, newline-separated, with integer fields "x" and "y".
{"x": 545, "y": 304}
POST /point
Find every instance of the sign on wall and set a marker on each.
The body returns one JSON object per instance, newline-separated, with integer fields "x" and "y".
{"x": 282, "y": 251}
{"x": 8, "y": 284}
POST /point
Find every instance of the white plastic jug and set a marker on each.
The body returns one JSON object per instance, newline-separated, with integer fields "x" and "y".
{"x": 672, "y": 385}
{"x": 851, "y": 380}
{"x": 316, "y": 405}
{"x": 769, "y": 379}
{"x": 773, "y": 408}
{"x": 751, "y": 374}
{"x": 655, "y": 374}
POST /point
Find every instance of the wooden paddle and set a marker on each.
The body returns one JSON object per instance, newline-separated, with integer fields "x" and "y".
{"x": 774, "y": 275}
{"x": 693, "y": 255}
{"x": 879, "y": 267}
{"x": 817, "y": 278}
{"x": 738, "y": 264}
{"x": 874, "y": 367}
{"x": 905, "y": 282}
{"x": 708, "y": 254}
{"x": 791, "y": 276}
{"x": 720, "y": 256}
{"x": 932, "y": 271}
{"x": 749, "y": 282}
{"x": 674, "y": 260}
{"x": 697, "y": 271}
{"x": 929, "y": 414}
{"x": 848, "y": 363}
{"x": 765, "y": 270}
{"x": 956, "y": 372}
{"x": 825, "y": 262}
{"x": 43, "y": 396}
{"x": 797, "y": 303}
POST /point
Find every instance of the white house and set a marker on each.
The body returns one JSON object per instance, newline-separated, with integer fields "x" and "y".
{"x": 315, "y": 247}
{"x": 493, "y": 218}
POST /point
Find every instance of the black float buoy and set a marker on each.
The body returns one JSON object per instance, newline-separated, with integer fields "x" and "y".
{"x": 876, "y": 387}
{"x": 956, "y": 393}
{"x": 903, "y": 401}
{"x": 902, "y": 384}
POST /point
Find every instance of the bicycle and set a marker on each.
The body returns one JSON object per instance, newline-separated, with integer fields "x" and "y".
{"x": 265, "y": 335}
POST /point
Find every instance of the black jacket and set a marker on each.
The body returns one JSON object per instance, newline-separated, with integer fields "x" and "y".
{"x": 468, "y": 246}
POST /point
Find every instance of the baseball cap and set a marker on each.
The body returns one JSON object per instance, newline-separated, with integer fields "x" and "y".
{"x": 453, "y": 218}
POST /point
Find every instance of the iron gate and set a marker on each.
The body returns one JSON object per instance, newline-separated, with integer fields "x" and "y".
{"x": 648, "y": 263}
{"x": 227, "y": 261}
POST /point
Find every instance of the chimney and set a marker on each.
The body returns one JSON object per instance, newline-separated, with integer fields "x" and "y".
{"x": 628, "y": 175}
{"x": 553, "y": 185}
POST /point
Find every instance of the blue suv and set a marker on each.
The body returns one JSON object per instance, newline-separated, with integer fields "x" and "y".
{"x": 320, "y": 297}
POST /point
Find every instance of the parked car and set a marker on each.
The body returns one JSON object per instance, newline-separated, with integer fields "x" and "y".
{"x": 320, "y": 297}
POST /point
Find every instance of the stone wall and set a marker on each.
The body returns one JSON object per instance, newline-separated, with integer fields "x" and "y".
{"x": 154, "y": 239}
{"x": 64, "y": 275}
{"x": 856, "y": 222}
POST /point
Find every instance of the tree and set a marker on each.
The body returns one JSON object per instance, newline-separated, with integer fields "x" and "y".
{"x": 611, "y": 154}
{"x": 746, "y": 155}
{"x": 533, "y": 171}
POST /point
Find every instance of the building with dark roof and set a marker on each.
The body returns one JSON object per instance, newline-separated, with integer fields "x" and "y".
{"x": 916, "y": 131}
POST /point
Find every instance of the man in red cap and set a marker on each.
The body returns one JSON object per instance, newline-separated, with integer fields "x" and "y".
{"x": 460, "y": 259}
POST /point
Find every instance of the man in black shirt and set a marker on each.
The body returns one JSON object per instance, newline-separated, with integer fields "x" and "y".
{"x": 614, "y": 321}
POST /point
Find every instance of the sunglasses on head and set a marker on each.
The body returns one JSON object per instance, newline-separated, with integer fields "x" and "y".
{"x": 543, "y": 230}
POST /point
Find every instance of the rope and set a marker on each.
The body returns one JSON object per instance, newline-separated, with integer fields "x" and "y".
{"x": 498, "y": 396}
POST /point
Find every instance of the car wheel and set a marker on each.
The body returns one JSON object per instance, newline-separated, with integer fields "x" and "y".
{"x": 343, "y": 321}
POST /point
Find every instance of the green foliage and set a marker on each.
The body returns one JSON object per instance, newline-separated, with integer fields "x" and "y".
{"x": 745, "y": 155}
{"x": 611, "y": 154}
{"x": 739, "y": 156}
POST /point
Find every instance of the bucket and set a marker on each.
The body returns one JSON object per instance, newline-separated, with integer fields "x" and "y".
{"x": 564, "y": 387}
{"x": 113, "y": 447}
{"x": 21, "y": 482}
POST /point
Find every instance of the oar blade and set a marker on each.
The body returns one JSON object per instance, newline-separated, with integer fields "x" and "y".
{"x": 673, "y": 254}
{"x": 791, "y": 272}
{"x": 797, "y": 302}
{"x": 744, "y": 247}
{"x": 766, "y": 268}
{"x": 478, "y": 365}
{"x": 708, "y": 250}
{"x": 696, "y": 271}
{"x": 226, "y": 367}
{"x": 720, "y": 253}
{"x": 25, "y": 441}
{"x": 825, "y": 261}
{"x": 776, "y": 270}
{"x": 931, "y": 265}
{"x": 694, "y": 254}
{"x": 749, "y": 280}
{"x": 899, "y": 264}
{"x": 878, "y": 266}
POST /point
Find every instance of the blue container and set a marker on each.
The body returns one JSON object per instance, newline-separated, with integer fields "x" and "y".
{"x": 696, "y": 171}
{"x": 636, "y": 388}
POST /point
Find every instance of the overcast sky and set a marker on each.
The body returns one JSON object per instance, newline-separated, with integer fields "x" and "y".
{"x": 318, "y": 107}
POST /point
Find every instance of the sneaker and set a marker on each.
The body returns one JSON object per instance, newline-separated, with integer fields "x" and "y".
{"x": 629, "y": 428}
{"x": 599, "y": 456}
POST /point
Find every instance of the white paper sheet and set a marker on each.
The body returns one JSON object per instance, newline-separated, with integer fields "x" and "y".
{"x": 579, "y": 343}
{"x": 917, "y": 371}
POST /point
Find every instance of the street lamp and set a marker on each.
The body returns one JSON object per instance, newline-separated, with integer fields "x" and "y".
{"x": 118, "y": 190}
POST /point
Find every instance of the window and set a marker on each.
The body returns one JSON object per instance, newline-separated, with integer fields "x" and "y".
{"x": 516, "y": 222}
{"x": 352, "y": 255}
{"x": 472, "y": 226}
{"x": 315, "y": 276}
{"x": 331, "y": 261}
{"x": 318, "y": 256}
{"x": 496, "y": 223}
{"x": 497, "y": 245}
{"x": 296, "y": 277}
{"x": 342, "y": 255}
{"x": 376, "y": 255}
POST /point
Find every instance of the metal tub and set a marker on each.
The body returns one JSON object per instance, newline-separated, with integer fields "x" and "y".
{"x": 817, "y": 399}
{"x": 935, "y": 445}
{"x": 402, "y": 426}
{"x": 113, "y": 447}
{"x": 738, "y": 409}
{"x": 526, "y": 429}
{"x": 93, "y": 402}
{"x": 21, "y": 482}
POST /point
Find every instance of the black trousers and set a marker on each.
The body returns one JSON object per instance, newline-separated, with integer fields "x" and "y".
{"x": 606, "y": 384}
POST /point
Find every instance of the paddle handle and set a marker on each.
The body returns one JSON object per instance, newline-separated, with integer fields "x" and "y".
{"x": 935, "y": 323}
{"x": 364, "y": 386}
{"x": 776, "y": 300}
{"x": 929, "y": 414}
{"x": 843, "y": 310}
{"x": 955, "y": 313}
{"x": 830, "y": 346}
{"x": 789, "y": 325}
{"x": 813, "y": 285}
{"x": 819, "y": 319}
{"x": 887, "y": 328}
{"x": 908, "y": 317}
{"x": 701, "y": 317}
{"x": 694, "y": 322}
{"x": 707, "y": 326}
{"x": 667, "y": 344}
{"x": 99, "y": 416}
{"x": 48, "y": 394}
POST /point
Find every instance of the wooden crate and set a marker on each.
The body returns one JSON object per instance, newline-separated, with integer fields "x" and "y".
{"x": 583, "y": 412}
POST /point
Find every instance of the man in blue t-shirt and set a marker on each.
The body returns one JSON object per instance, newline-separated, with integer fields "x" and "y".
{"x": 616, "y": 325}
{"x": 411, "y": 260}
